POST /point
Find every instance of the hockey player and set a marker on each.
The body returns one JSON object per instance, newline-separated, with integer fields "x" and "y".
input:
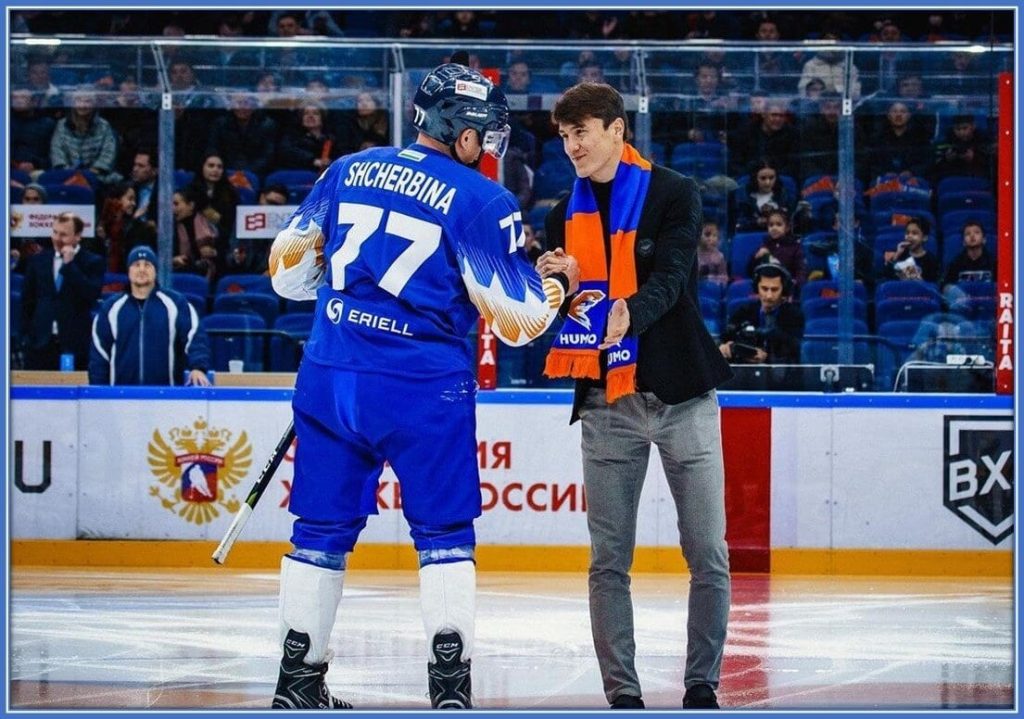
{"x": 402, "y": 249}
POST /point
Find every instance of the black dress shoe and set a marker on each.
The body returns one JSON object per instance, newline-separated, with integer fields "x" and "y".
{"x": 627, "y": 701}
{"x": 700, "y": 696}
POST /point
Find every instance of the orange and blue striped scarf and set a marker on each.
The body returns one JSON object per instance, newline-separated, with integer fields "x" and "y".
{"x": 574, "y": 352}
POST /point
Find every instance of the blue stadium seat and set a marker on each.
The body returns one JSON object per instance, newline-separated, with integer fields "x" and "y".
{"x": 711, "y": 290}
{"x": 830, "y": 288}
{"x": 284, "y": 355}
{"x": 69, "y": 195}
{"x": 829, "y": 307}
{"x": 16, "y": 193}
{"x": 231, "y": 284}
{"x": 975, "y": 308}
{"x": 60, "y": 176}
{"x": 190, "y": 283}
{"x": 536, "y": 216}
{"x": 553, "y": 179}
{"x": 968, "y": 200}
{"x": 182, "y": 178}
{"x": 962, "y": 183}
{"x": 264, "y": 305}
{"x": 742, "y": 247}
{"x": 246, "y": 196}
{"x": 20, "y": 176}
{"x": 906, "y": 203}
{"x": 905, "y": 308}
{"x": 952, "y": 222}
{"x": 227, "y": 347}
{"x": 250, "y": 176}
{"x": 290, "y": 177}
{"x": 825, "y": 350}
{"x": 830, "y": 326}
{"x": 17, "y": 280}
{"x": 296, "y": 306}
{"x": 297, "y": 193}
{"x": 902, "y": 289}
{"x": 742, "y": 288}
{"x": 731, "y": 306}
{"x": 197, "y": 301}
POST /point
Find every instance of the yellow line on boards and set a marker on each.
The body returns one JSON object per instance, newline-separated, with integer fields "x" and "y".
{"x": 267, "y": 555}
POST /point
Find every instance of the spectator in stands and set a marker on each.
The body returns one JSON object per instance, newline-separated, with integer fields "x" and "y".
{"x": 31, "y": 132}
{"x": 828, "y": 66}
{"x": 23, "y": 248}
{"x": 901, "y": 146}
{"x": 768, "y": 329}
{"x": 188, "y": 91}
{"x": 369, "y": 126}
{"x": 144, "y": 177}
{"x": 781, "y": 247}
{"x": 707, "y": 120}
{"x": 590, "y": 71}
{"x": 312, "y": 22}
{"x": 828, "y": 251}
{"x": 883, "y": 69}
{"x": 244, "y": 139}
{"x": 308, "y": 146}
{"x": 134, "y": 124}
{"x": 61, "y": 286}
{"x": 774, "y": 70}
{"x": 533, "y": 244}
{"x": 591, "y": 25}
{"x": 463, "y": 25}
{"x": 147, "y": 335}
{"x": 84, "y": 140}
{"x": 216, "y": 198}
{"x": 196, "y": 238}
{"x": 711, "y": 264}
{"x": 517, "y": 78}
{"x": 119, "y": 230}
{"x": 712, "y": 24}
{"x": 974, "y": 262}
{"x": 771, "y": 136}
{"x": 39, "y": 82}
{"x": 764, "y": 191}
{"x": 819, "y": 138}
{"x": 959, "y": 74}
{"x": 965, "y": 150}
{"x": 33, "y": 194}
{"x": 912, "y": 261}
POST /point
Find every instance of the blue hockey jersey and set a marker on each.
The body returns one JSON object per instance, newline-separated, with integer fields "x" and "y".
{"x": 403, "y": 249}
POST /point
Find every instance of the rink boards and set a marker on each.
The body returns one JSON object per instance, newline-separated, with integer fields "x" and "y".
{"x": 815, "y": 483}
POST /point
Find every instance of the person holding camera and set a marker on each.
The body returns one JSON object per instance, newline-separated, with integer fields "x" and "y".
{"x": 767, "y": 330}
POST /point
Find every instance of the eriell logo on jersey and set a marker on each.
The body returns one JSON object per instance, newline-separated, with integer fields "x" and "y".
{"x": 335, "y": 311}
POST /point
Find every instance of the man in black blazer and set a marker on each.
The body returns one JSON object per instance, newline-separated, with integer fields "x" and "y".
{"x": 60, "y": 289}
{"x": 672, "y": 405}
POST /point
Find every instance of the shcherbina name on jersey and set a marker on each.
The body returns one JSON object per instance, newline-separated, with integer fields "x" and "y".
{"x": 403, "y": 180}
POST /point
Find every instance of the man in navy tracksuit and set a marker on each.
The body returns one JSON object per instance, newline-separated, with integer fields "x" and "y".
{"x": 148, "y": 334}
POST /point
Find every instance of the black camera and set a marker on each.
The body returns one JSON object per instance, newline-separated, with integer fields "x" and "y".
{"x": 748, "y": 341}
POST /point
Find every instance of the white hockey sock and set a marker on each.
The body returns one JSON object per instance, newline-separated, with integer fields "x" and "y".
{"x": 308, "y": 603}
{"x": 448, "y": 601}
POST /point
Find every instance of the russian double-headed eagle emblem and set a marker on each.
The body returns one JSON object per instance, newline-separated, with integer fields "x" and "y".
{"x": 197, "y": 473}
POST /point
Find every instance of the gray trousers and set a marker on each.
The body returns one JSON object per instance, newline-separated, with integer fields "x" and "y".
{"x": 616, "y": 449}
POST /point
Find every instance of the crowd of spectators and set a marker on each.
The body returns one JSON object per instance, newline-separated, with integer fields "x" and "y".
{"x": 772, "y": 115}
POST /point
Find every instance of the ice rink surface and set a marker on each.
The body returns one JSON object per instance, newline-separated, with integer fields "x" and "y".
{"x": 207, "y": 639}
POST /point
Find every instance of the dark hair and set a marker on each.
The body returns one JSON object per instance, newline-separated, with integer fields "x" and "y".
{"x": 773, "y": 269}
{"x": 590, "y": 99}
{"x": 148, "y": 152}
{"x": 972, "y": 223}
{"x": 765, "y": 163}
{"x": 118, "y": 190}
{"x": 922, "y": 223}
{"x": 276, "y": 187}
{"x": 73, "y": 219}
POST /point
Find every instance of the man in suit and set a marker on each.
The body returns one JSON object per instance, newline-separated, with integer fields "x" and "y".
{"x": 61, "y": 287}
{"x": 768, "y": 329}
{"x": 646, "y": 371}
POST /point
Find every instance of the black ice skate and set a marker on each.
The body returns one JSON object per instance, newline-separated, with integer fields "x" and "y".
{"x": 447, "y": 675}
{"x": 301, "y": 685}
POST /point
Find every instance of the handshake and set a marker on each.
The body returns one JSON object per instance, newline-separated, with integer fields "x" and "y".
{"x": 555, "y": 261}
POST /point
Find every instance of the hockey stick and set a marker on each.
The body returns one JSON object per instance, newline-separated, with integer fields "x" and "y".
{"x": 242, "y": 515}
